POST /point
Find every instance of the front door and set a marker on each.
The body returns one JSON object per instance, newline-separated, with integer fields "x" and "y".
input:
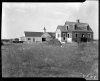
{"x": 63, "y": 38}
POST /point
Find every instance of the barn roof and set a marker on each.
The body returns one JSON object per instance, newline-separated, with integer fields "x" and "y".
{"x": 33, "y": 34}
{"x": 37, "y": 34}
{"x": 52, "y": 34}
{"x": 46, "y": 35}
{"x": 71, "y": 27}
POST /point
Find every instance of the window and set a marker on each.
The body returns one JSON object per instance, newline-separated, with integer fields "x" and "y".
{"x": 29, "y": 38}
{"x": 63, "y": 38}
{"x": 87, "y": 27}
{"x": 67, "y": 28}
{"x": 89, "y": 35}
{"x": 76, "y": 35}
{"x": 64, "y": 34}
{"x": 82, "y": 35}
{"x": 68, "y": 35}
{"x": 33, "y": 39}
{"x": 58, "y": 35}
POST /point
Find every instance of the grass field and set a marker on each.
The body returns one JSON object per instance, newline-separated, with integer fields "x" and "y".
{"x": 39, "y": 60}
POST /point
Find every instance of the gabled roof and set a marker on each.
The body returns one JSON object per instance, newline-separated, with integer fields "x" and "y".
{"x": 45, "y": 35}
{"x": 33, "y": 34}
{"x": 37, "y": 34}
{"x": 62, "y": 28}
{"x": 52, "y": 34}
{"x": 73, "y": 23}
{"x": 71, "y": 27}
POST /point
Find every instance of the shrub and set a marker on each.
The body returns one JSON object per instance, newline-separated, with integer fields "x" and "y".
{"x": 88, "y": 51}
{"x": 82, "y": 45}
{"x": 2, "y": 43}
{"x": 55, "y": 42}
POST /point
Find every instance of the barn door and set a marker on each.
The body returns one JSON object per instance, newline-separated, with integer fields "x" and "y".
{"x": 43, "y": 39}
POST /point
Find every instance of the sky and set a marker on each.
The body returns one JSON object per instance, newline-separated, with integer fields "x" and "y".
{"x": 20, "y": 17}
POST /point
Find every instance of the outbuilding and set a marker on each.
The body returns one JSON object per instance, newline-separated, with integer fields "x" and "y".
{"x": 37, "y": 36}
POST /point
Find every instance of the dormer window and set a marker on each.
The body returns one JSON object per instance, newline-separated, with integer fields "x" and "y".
{"x": 66, "y": 27}
{"x": 75, "y": 26}
{"x": 87, "y": 27}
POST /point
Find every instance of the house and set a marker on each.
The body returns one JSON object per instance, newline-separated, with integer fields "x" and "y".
{"x": 73, "y": 32}
{"x": 37, "y": 36}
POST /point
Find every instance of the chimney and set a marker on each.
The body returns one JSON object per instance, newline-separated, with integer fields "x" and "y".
{"x": 78, "y": 21}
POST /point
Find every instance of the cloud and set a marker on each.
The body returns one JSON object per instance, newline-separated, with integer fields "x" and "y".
{"x": 74, "y": 5}
{"x": 44, "y": 7}
{"x": 18, "y": 5}
{"x": 20, "y": 10}
{"x": 59, "y": 13}
{"x": 23, "y": 5}
{"x": 6, "y": 5}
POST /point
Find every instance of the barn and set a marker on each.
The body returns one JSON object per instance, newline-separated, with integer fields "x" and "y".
{"x": 74, "y": 32}
{"x": 30, "y": 36}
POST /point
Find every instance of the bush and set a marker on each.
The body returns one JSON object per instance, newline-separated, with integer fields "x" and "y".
{"x": 2, "y": 43}
{"x": 55, "y": 42}
{"x": 82, "y": 46}
{"x": 88, "y": 51}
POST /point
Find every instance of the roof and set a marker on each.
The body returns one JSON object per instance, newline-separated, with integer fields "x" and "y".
{"x": 62, "y": 28}
{"x": 45, "y": 35}
{"x": 79, "y": 27}
{"x": 37, "y": 34}
{"x": 33, "y": 34}
{"x": 73, "y": 23}
{"x": 52, "y": 34}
